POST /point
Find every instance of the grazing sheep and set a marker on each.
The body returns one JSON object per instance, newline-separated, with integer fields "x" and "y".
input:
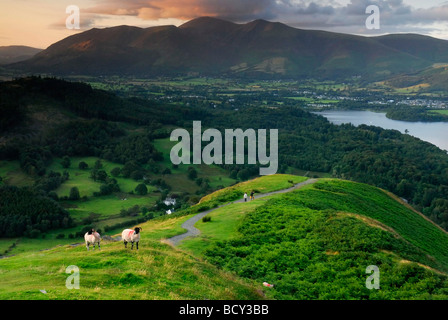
{"x": 129, "y": 235}
{"x": 92, "y": 237}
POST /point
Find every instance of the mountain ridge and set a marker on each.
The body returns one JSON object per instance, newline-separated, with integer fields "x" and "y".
{"x": 16, "y": 53}
{"x": 259, "y": 49}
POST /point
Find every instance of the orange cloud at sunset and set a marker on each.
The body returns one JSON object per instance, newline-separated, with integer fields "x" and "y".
{"x": 187, "y": 9}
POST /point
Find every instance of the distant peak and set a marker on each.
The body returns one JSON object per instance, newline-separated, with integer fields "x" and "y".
{"x": 260, "y": 21}
{"x": 205, "y": 22}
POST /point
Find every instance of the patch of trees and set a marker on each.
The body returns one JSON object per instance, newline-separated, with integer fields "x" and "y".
{"x": 34, "y": 159}
{"x": 141, "y": 189}
{"x": 414, "y": 114}
{"x": 12, "y": 109}
{"x": 26, "y": 212}
{"x": 90, "y": 103}
{"x": 161, "y": 184}
{"x": 52, "y": 181}
{"x": 138, "y": 148}
{"x": 83, "y": 137}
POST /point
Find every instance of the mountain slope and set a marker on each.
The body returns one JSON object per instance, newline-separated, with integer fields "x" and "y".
{"x": 432, "y": 79}
{"x": 214, "y": 47}
{"x": 11, "y": 54}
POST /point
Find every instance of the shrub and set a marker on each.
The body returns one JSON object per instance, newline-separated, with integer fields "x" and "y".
{"x": 141, "y": 189}
{"x": 65, "y": 162}
{"x": 82, "y": 165}
{"x": 74, "y": 194}
{"x": 116, "y": 171}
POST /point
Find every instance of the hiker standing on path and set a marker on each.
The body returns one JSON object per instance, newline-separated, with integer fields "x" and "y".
{"x": 252, "y": 195}
{"x": 245, "y": 196}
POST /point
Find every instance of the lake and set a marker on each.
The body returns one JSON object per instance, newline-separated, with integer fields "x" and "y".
{"x": 433, "y": 132}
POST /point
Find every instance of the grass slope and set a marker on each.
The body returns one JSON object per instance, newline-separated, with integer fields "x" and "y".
{"x": 262, "y": 184}
{"x": 155, "y": 271}
{"x": 311, "y": 243}
{"x": 316, "y": 243}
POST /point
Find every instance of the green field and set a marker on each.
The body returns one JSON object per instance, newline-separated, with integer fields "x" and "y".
{"x": 81, "y": 178}
{"x": 444, "y": 112}
{"x": 179, "y": 181}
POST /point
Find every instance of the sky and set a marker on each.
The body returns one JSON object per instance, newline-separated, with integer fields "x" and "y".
{"x": 40, "y": 23}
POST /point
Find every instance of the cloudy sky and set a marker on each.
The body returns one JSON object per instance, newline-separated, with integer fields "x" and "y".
{"x": 39, "y": 23}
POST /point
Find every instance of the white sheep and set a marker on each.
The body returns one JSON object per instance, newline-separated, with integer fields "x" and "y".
{"x": 92, "y": 237}
{"x": 129, "y": 235}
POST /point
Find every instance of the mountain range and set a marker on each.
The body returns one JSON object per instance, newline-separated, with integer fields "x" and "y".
{"x": 258, "y": 49}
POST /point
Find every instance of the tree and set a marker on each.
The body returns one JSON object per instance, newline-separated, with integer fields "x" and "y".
{"x": 65, "y": 162}
{"x": 233, "y": 174}
{"x": 106, "y": 189}
{"x": 192, "y": 173}
{"x": 82, "y": 165}
{"x": 405, "y": 188}
{"x": 74, "y": 194}
{"x": 141, "y": 189}
{"x": 53, "y": 195}
{"x": 101, "y": 175}
{"x": 98, "y": 165}
{"x": 136, "y": 175}
{"x": 243, "y": 174}
{"x": 116, "y": 171}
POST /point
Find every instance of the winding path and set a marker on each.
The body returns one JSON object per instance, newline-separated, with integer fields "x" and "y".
{"x": 193, "y": 231}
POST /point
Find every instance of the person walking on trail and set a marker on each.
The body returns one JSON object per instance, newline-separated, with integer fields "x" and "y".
{"x": 245, "y": 196}
{"x": 252, "y": 195}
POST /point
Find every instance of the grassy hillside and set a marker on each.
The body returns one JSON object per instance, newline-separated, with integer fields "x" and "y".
{"x": 316, "y": 243}
{"x": 312, "y": 243}
{"x": 429, "y": 80}
{"x": 156, "y": 271}
{"x": 263, "y": 184}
